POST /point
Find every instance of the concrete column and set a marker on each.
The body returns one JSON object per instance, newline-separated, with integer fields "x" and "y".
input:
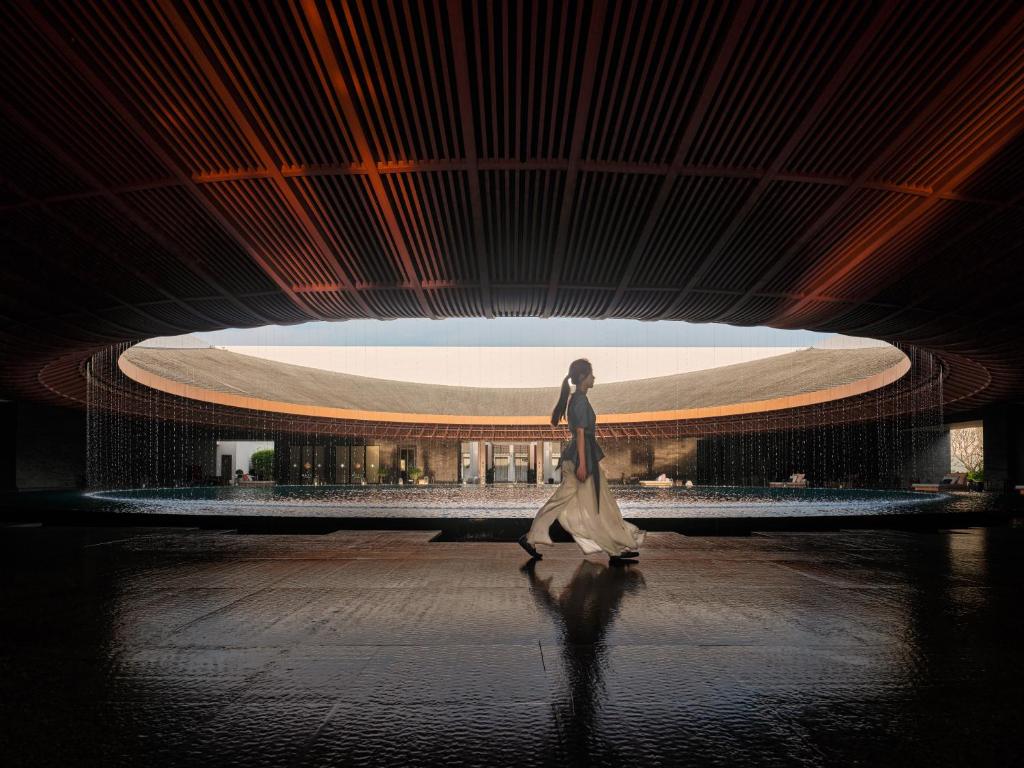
{"x": 8, "y": 446}
{"x": 1003, "y": 426}
{"x": 482, "y": 461}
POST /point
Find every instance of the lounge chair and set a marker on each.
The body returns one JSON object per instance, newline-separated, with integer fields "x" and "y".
{"x": 662, "y": 481}
{"x": 954, "y": 481}
{"x": 798, "y": 480}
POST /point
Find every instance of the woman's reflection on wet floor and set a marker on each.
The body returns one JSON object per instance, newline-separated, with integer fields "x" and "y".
{"x": 583, "y": 612}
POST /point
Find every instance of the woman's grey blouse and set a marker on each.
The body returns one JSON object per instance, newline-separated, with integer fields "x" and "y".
{"x": 580, "y": 413}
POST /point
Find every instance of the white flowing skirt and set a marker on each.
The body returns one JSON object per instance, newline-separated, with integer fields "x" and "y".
{"x": 591, "y": 516}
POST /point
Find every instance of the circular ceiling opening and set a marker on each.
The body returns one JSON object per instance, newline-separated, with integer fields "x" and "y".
{"x": 508, "y": 371}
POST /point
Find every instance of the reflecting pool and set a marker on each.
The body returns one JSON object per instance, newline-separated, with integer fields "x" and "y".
{"x": 509, "y": 501}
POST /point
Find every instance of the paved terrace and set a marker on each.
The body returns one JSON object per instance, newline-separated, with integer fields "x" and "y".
{"x": 185, "y": 647}
{"x": 808, "y": 370}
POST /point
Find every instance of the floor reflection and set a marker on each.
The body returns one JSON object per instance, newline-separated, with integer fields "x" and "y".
{"x": 583, "y": 611}
{"x": 177, "y": 647}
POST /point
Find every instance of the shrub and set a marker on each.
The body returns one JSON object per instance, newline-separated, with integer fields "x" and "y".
{"x": 262, "y": 463}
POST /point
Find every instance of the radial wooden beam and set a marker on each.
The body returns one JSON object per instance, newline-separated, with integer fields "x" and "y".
{"x": 926, "y": 294}
{"x": 710, "y": 88}
{"x": 581, "y": 114}
{"x": 775, "y": 169}
{"x": 466, "y": 112}
{"x": 269, "y": 162}
{"x": 850, "y": 259}
{"x": 929, "y": 113}
{"x": 90, "y": 277}
{"x": 183, "y": 178}
{"x": 127, "y": 211}
{"x": 354, "y": 125}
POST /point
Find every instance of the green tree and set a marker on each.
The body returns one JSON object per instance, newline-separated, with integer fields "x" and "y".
{"x": 262, "y": 463}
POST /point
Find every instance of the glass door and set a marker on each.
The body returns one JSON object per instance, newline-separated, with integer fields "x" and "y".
{"x": 319, "y": 464}
{"x": 358, "y": 464}
{"x": 373, "y": 463}
{"x": 521, "y": 459}
{"x": 504, "y": 469}
{"x": 307, "y": 468}
{"x": 342, "y": 468}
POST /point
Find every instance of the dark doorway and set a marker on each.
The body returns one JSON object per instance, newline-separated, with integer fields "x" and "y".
{"x": 406, "y": 460}
{"x": 226, "y": 465}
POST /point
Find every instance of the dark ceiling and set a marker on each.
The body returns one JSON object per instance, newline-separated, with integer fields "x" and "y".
{"x": 170, "y": 167}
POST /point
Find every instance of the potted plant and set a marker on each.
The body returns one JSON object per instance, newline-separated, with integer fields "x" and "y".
{"x": 414, "y": 473}
{"x": 976, "y": 479}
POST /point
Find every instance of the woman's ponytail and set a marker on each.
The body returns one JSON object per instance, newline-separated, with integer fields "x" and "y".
{"x": 563, "y": 400}
{"x": 578, "y": 371}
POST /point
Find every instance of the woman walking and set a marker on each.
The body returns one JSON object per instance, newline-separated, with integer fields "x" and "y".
{"x": 583, "y": 503}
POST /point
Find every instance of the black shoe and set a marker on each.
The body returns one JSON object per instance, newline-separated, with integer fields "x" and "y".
{"x": 530, "y": 549}
{"x": 624, "y": 556}
{"x": 528, "y": 567}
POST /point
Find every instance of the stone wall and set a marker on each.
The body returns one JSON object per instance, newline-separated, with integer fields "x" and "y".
{"x": 626, "y": 460}
{"x": 675, "y": 458}
{"x": 440, "y": 460}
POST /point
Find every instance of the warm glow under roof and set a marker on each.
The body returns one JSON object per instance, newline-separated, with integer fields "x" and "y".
{"x": 801, "y": 378}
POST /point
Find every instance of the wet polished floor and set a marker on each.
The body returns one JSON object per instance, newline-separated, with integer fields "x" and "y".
{"x": 198, "y": 647}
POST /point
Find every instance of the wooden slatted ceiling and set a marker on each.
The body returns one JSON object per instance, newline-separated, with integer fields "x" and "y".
{"x": 180, "y": 165}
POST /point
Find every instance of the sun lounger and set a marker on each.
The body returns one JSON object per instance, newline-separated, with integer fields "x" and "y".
{"x": 795, "y": 481}
{"x": 954, "y": 481}
{"x": 661, "y": 481}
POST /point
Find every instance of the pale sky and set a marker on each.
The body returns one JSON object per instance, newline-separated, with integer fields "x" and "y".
{"x": 507, "y": 367}
{"x": 513, "y": 332}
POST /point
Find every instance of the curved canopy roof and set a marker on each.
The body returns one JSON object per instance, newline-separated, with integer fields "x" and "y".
{"x": 785, "y": 381}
